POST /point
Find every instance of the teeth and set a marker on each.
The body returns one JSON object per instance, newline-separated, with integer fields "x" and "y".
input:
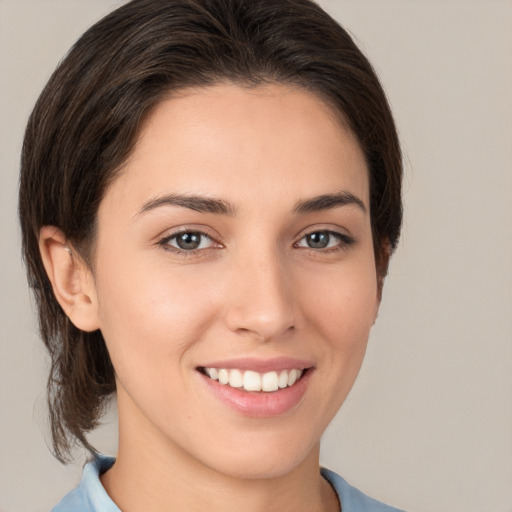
{"x": 213, "y": 373}
{"x": 270, "y": 382}
{"x": 292, "y": 377}
{"x": 283, "y": 379}
{"x": 223, "y": 376}
{"x": 236, "y": 379}
{"x": 254, "y": 381}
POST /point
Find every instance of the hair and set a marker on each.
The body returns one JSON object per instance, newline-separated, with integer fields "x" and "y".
{"x": 87, "y": 119}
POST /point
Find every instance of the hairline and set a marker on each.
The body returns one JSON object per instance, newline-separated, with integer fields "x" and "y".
{"x": 87, "y": 248}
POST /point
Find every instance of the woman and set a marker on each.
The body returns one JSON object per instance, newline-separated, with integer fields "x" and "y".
{"x": 209, "y": 198}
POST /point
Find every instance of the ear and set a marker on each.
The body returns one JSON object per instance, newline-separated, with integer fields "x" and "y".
{"x": 71, "y": 279}
{"x": 382, "y": 265}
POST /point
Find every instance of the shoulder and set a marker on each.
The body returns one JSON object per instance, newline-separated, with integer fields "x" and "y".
{"x": 72, "y": 501}
{"x": 351, "y": 499}
{"x": 89, "y": 496}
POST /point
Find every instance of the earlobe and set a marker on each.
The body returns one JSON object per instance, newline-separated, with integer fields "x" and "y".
{"x": 72, "y": 281}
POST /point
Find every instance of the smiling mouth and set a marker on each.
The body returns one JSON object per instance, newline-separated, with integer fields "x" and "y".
{"x": 249, "y": 380}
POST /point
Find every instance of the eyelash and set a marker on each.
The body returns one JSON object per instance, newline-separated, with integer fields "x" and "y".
{"x": 165, "y": 242}
{"x": 344, "y": 242}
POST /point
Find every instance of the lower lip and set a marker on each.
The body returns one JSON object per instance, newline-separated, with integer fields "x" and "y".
{"x": 260, "y": 404}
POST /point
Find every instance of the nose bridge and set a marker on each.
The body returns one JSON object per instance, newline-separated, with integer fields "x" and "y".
{"x": 260, "y": 298}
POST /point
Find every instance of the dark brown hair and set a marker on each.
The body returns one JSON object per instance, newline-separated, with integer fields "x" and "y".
{"x": 87, "y": 119}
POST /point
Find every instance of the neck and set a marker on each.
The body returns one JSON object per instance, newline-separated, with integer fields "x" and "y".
{"x": 135, "y": 487}
{"x": 160, "y": 476}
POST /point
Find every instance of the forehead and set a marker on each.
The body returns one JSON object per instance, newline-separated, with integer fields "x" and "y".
{"x": 227, "y": 139}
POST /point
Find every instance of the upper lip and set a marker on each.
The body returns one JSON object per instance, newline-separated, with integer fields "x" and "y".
{"x": 261, "y": 365}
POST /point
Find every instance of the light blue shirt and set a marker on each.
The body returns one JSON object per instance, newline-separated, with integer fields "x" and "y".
{"x": 90, "y": 495}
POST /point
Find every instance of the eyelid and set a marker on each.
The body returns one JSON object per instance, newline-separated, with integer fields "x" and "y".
{"x": 164, "y": 239}
{"x": 345, "y": 240}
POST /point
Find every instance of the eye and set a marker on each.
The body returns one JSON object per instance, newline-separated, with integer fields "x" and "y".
{"x": 188, "y": 241}
{"x": 319, "y": 240}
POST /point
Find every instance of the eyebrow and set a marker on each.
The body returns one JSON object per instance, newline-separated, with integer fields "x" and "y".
{"x": 328, "y": 201}
{"x": 193, "y": 202}
{"x": 220, "y": 207}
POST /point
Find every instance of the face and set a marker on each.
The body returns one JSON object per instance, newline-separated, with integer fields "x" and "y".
{"x": 235, "y": 279}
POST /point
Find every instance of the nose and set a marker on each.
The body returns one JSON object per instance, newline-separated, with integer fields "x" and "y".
{"x": 260, "y": 298}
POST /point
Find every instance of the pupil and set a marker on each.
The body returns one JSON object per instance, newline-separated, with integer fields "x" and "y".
{"x": 188, "y": 241}
{"x": 318, "y": 240}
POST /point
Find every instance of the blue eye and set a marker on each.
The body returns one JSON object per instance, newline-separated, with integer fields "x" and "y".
{"x": 324, "y": 240}
{"x": 188, "y": 241}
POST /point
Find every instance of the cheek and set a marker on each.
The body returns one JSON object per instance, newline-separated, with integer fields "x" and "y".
{"x": 150, "y": 317}
{"x": 343, "y": 303}
{"x": 341, "y": 309}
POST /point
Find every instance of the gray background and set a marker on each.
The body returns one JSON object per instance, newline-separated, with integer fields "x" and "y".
{"x": 428, "y": 425}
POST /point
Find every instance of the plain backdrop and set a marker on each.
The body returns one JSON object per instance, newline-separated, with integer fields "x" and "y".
{"x": 428, "y": 425}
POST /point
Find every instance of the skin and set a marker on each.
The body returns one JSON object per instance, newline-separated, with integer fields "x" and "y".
{"x": 254, "y": 289}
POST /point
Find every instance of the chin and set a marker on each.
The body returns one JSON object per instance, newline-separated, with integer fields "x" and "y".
{"x": 256, "y": 461}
